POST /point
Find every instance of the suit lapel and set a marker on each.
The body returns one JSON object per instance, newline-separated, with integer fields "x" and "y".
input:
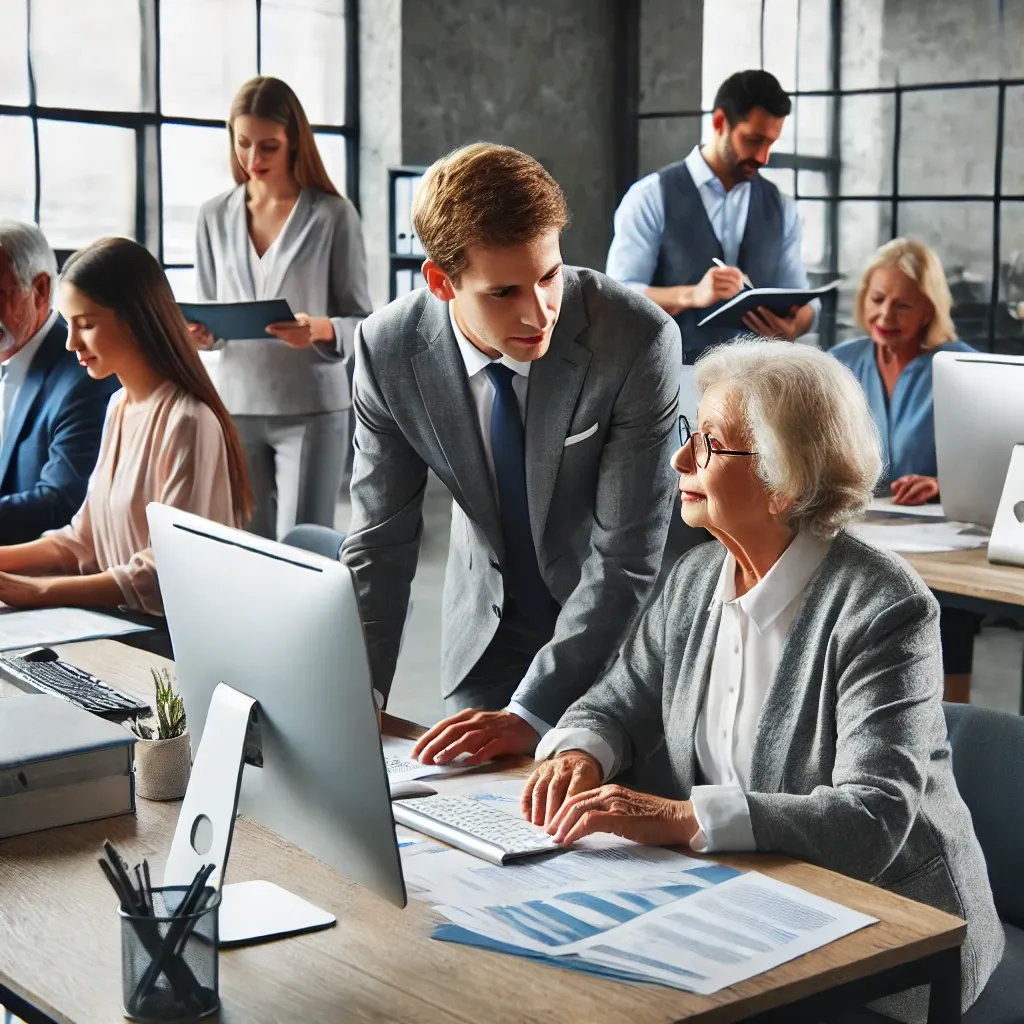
{"x": 293, "y": 234}
{"x": 238, "y": 221}
{"x": 441, "y": 379}
{"x": 556, "y": 380}
{"x": 31, "y": 388}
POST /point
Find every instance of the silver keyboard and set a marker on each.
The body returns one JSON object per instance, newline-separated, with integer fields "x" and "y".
{"x": 473, "y": 826}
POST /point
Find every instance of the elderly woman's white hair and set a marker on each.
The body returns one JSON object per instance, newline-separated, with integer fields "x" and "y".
{"x": 806, "y": 416}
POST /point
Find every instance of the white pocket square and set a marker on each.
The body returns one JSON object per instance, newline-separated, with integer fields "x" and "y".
{"x": 576, "y": 438}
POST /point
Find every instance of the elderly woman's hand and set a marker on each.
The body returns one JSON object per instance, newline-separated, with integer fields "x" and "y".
{"x": 913, "y": 489}
{"x": 651, "y": 820}
{"x": 555, "y": 781}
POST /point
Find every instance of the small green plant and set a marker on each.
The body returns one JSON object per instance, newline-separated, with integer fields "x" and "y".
{"x": 170, "y": 710}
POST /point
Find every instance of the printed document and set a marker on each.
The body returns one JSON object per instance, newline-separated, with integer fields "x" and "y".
{"x": 46, "y": 626}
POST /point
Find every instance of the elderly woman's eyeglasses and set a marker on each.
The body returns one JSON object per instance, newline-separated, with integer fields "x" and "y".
{"x": 702, "y": 446}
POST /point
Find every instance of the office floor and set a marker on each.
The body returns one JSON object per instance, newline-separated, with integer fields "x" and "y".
{"x": 416, "y": 694}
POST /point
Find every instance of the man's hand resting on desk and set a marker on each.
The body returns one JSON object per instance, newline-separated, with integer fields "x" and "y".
{"x": 481, "y": 734}
{"x": 914, "y": 490}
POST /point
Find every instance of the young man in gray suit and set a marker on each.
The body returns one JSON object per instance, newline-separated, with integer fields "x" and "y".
{"x": 544, "y": 397}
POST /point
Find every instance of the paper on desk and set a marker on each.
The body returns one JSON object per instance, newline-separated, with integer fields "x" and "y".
{"x": 889, "y": 507}
{"x": 722, "y": 935}
{"x": 551, "y": 923}
{"x": 919, "y": 538}
{"x": 403, "y": 768}
{"x": 45, "y": 626}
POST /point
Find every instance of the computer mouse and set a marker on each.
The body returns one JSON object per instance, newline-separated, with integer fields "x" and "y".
{"x": 411, "y": 788}
{"x": 40, "y": 654}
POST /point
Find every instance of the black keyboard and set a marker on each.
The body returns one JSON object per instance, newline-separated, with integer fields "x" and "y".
{"x": 73, "y": 684}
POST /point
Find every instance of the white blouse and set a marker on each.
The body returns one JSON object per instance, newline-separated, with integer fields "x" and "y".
{"x": 751, "y": 637}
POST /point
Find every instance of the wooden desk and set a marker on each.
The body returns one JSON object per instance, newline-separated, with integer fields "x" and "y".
{"x": 60, "y": 945}
{"x": 968, "y": 580}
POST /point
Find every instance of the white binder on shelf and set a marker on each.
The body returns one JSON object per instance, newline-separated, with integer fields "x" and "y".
{"x": 414, "y": 185}
{"x": 403, "y": 215}
{"x": 1007, "y": 541}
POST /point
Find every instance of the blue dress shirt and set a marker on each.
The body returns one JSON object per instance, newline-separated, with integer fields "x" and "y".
{"x": 906, "y": 421}
{"x": 640, "y": 223}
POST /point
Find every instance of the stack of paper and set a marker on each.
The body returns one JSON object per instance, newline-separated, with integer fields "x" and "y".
{"x": 630, "y": 912}
{"x": 922, "y": 537}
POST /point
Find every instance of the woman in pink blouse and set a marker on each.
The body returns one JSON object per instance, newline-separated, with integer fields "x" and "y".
{"x": 167, "y": 438}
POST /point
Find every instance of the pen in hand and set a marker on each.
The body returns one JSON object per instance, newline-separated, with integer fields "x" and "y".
{"x": 725, "y": 266}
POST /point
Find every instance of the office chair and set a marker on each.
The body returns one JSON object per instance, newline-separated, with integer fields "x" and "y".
{"x": 988, "y": 762}
{"x": 321, "y": 540}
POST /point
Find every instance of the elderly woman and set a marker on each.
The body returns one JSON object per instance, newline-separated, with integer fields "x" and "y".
{"x": 783, "y": 692}
{"x": 904, "y": 305}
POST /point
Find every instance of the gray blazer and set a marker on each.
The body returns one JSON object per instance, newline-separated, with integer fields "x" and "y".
{"x": 599, "y": 508}
{"x": 320, "y": 268}
{"x": 851, "y": 765}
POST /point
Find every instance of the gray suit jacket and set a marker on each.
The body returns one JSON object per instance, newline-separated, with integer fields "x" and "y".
{"x": 599, "y": 508}
{"x": 320, "y": 268}
{"x": 851, "y": 765}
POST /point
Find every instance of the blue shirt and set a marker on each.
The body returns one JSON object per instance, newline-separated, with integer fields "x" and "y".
{"x": 640, "y": 223}
{"x": 906, "y": 421}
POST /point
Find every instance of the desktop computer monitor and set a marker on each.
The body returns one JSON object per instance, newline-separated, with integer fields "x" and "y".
{"x": 979, "y": 417}
{"x": 281, "y": 625}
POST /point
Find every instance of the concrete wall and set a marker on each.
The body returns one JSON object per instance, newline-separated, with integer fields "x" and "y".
{"x": 380, "y": 132}
{"x": 671, "y": 36}
{"x": 534, "y": 74}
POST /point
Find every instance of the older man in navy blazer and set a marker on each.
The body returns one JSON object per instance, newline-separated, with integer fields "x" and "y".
{"x": 51, "y": 411}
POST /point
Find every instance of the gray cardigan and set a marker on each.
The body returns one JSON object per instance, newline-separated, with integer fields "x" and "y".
{"x": 851, "y": 767}
{"x": 320, "y": 268}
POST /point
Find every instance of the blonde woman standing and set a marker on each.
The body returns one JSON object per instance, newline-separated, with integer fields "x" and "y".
{"x": 284, "y": 231}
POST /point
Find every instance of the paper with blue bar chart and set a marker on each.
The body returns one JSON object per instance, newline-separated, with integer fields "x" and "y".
{"x": 625, "y": 911}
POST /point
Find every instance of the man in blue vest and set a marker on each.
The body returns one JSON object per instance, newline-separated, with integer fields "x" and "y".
{"x": 672, "y": 225}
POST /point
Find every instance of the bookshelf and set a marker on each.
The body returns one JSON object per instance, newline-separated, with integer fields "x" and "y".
{"x": 405, "y": 252}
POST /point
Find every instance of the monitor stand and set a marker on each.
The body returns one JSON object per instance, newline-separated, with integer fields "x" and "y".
{"x": 250, "y": 911}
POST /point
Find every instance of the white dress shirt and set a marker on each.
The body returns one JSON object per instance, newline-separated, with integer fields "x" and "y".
{"x": 481, "y": 390}
{"x": 751, "y": 637}
{"x": 261, "y": 267}
{"x": 15, "y": 370}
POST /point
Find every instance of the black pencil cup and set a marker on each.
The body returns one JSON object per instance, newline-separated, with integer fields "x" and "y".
{"x": 169, "y": 963}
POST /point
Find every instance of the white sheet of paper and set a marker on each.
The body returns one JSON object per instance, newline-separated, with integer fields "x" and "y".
{"x": 547, "y": 924}
{"x": 46, "y": 626}
{"x": 922, "y": 537}
{"x": 722, "y": 935}
{"x": 401, "y": 766}
{"x": 887, "y": 505}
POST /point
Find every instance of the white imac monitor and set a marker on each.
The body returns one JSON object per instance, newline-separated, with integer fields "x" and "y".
{"x": 979, "y": 417}
{"x": 281, "y": 625}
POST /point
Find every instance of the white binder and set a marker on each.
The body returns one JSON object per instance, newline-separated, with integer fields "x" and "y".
{"x": 1007, "y": 542}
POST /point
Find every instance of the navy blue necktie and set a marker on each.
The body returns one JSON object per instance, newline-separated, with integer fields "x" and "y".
{"x": 522, "y": 576}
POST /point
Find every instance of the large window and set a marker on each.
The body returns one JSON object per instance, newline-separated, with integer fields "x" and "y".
{"x": 112, "y": 113}
{"x": 890, "y": 137}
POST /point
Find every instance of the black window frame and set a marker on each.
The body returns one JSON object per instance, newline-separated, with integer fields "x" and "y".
{"x": 147, "y": 125}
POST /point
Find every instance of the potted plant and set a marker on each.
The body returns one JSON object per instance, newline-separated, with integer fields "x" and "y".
{"x": 163, "y": 753}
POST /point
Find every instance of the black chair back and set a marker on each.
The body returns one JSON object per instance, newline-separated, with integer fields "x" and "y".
{"x": 988, "y": 762}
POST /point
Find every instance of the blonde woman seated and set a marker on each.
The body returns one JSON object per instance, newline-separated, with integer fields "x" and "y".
{"x": 167, "y": 438}
{"x": 904, "y": 305}
{"x": 783, "y": 693}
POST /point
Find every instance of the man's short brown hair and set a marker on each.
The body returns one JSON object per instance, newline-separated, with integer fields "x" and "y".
{"x": 486, "y": 195}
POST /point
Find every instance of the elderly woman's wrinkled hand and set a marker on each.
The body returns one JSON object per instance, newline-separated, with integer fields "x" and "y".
{"x": 555, "y": 781}
{"x": 640, "y": 817}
